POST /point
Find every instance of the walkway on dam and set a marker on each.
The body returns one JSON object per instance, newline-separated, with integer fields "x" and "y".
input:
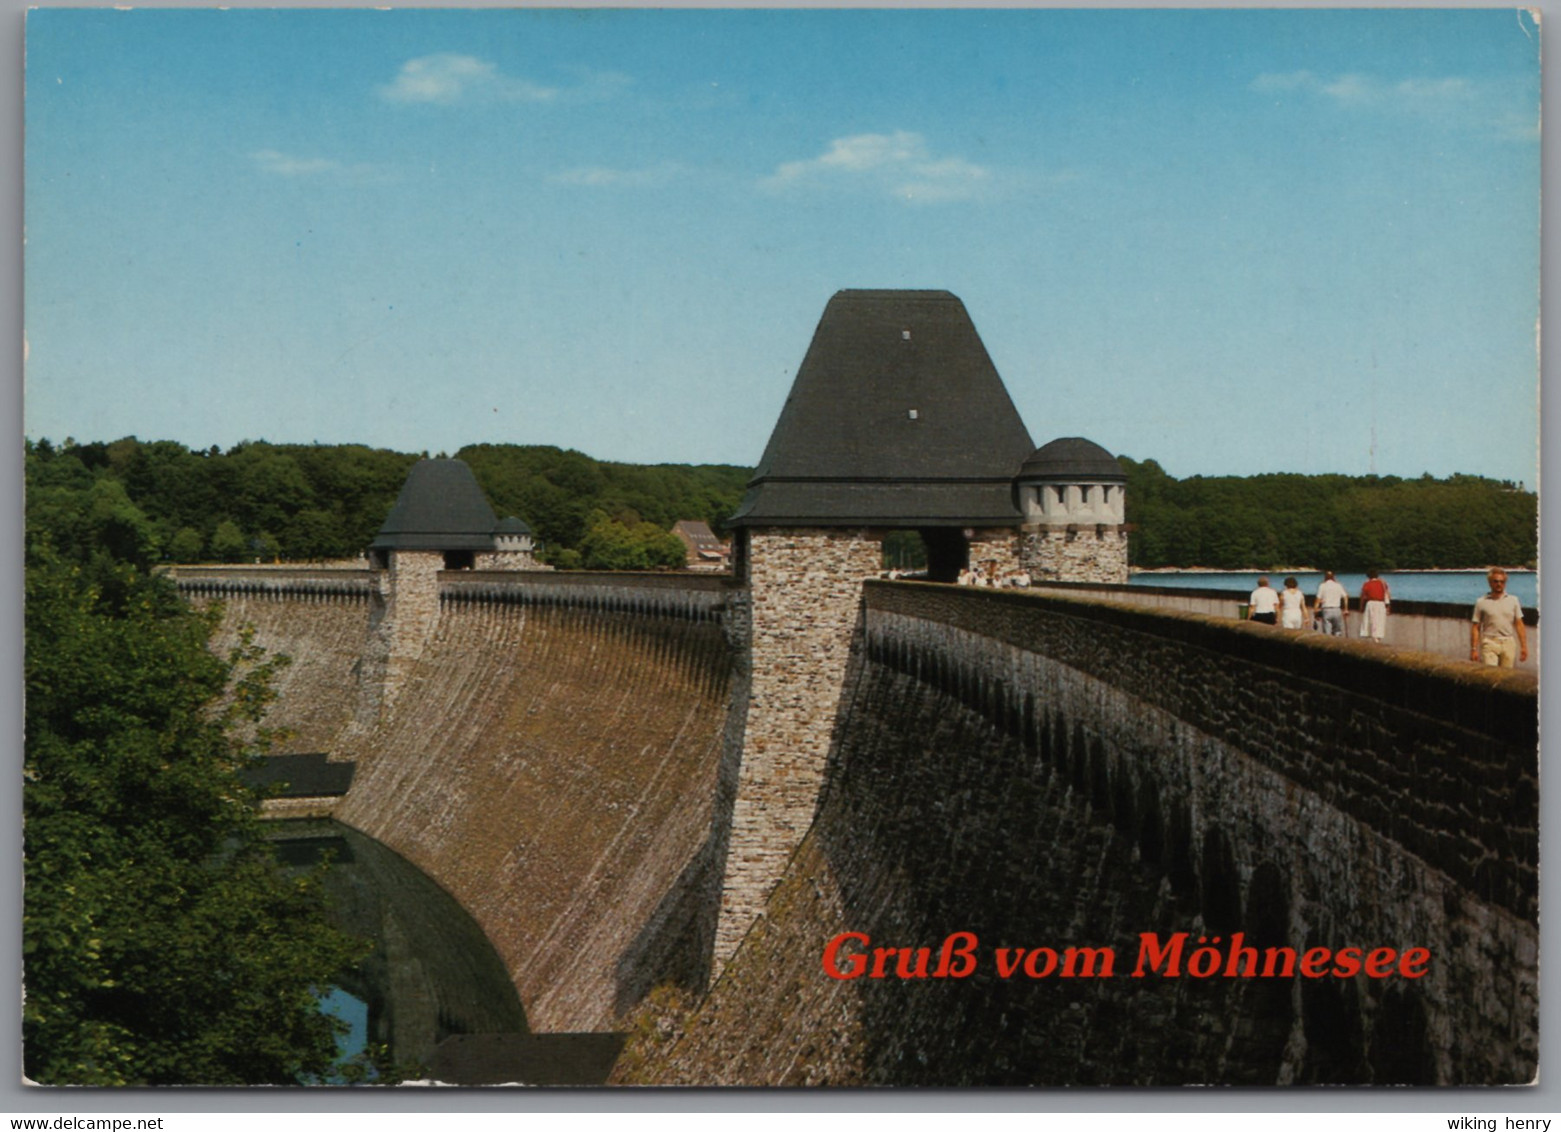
{"x": 1436, "y": 627}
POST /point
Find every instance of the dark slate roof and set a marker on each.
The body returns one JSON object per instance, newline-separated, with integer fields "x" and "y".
{"x": 846, "y": 450}
{"x": 511, "y": 526}
{"x": 440, "y": 508}
{"x": 1072, "y": 458}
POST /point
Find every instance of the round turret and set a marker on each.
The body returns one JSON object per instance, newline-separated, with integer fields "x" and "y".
{"x": 511, "y": 536}
{"x": 1071, "y": 481}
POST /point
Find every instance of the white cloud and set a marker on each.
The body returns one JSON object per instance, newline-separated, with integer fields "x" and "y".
{"x": 287, "y": 165}
{"x": 279, "y": 164}
{"x": 598, "y": 176}
{"x": 1368, "y": 91}
{"x": 1510, "y": 109}
{"x": 1294, "y": 80}
{"x": 899, "y": 164}
{"x": 447, "y": 78}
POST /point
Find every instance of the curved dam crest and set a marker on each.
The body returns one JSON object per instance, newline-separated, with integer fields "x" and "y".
{"x": 562, "y": 757}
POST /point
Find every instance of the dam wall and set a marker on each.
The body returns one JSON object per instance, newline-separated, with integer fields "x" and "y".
{"x": 1043, "y": 772}
{"x": 552, "y": 758}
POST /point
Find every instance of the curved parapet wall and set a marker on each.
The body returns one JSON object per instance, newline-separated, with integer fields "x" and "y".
{"x": 1046, "y": 773}
{"x": 686, "y": 596}
{"x": 273, "y": 581}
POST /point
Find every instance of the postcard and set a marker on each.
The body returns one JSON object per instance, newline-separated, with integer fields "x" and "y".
{"x": 918, "y": 547}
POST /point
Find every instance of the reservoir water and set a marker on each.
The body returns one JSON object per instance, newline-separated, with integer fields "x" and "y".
{"x": 432, "y": 973}
{"x": 1457, "y": 586}
{"x": 433, "y": 990}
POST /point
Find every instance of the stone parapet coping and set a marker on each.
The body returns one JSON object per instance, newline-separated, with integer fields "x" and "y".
{"x": 271, "y": 579}
{"x": 533, "y": 579}
{"x": 1500, "y": 703}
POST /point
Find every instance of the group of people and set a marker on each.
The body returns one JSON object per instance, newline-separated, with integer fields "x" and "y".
{"x": 991, "y": 576}
{"x": 1496, "y": 635}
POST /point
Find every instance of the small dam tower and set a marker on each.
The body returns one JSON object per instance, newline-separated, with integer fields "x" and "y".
{"x": 440, "y": 521}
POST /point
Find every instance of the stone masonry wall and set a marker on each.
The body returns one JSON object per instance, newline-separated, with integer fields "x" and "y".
{"x": 411, "y": 613}
{"x": 805, "y": 593}
{"x": 508, "y": 560}
{"x": 322, "y": 636}
{"x": 995, "y": 545}
{"x": 1045, "y": 773}
{"x": 1051, "y": 555}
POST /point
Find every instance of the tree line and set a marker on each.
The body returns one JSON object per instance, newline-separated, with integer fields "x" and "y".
{"x": 158, "y": 501}
{"x": 1327, "y": 521}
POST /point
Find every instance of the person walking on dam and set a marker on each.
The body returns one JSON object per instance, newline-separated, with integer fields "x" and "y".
{"x": 1264, "y": 603}
{"x": 1333, "y": 605}
{"x": 1497, "y": 636}
{"x": 1292, "y": 605}
{"x": 1375, "y": 597}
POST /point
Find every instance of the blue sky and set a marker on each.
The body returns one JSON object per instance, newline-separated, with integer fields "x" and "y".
{"x": 1235, "y": 242}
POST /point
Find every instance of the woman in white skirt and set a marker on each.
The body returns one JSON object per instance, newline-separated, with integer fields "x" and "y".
{"x": 1292, "y": 605}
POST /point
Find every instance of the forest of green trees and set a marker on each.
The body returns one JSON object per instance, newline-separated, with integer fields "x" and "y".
{"x": 158, "y": 501}
{"x": 1328, "y": 521}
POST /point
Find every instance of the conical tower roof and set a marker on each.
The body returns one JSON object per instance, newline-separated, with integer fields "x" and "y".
{"x": 897, "y": 418}
{"x": 440, "y": 507}
{"x": 1072, "y": 458}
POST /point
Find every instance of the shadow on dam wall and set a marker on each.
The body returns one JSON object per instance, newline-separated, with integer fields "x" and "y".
{"x": 978, "y": 785}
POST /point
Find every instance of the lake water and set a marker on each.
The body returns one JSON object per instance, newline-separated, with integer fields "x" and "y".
{"x": 1407, "y": 585}
{"x": 432, "y": 972}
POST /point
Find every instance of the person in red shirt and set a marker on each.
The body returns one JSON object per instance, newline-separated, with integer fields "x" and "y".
{"x": 1375, "y": 598}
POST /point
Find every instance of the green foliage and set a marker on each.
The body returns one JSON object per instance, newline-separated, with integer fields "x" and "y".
{"x": 1329, "y": 522}
{"x": 186, "y": 545}
{"x": 228, "y": 543}
{"x": 627, "y": 543}
{"x": 162, "y": 943}
{"x": 150, "y": 501}
{"x": 904, "y": 550}
{"x": 559, "y": 492}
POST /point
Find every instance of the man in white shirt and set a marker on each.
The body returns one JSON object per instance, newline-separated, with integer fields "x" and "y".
{"x": 1496, "y": 635}
{"x": 1264, "y": 603}
{"x": 1333, "y": 605}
